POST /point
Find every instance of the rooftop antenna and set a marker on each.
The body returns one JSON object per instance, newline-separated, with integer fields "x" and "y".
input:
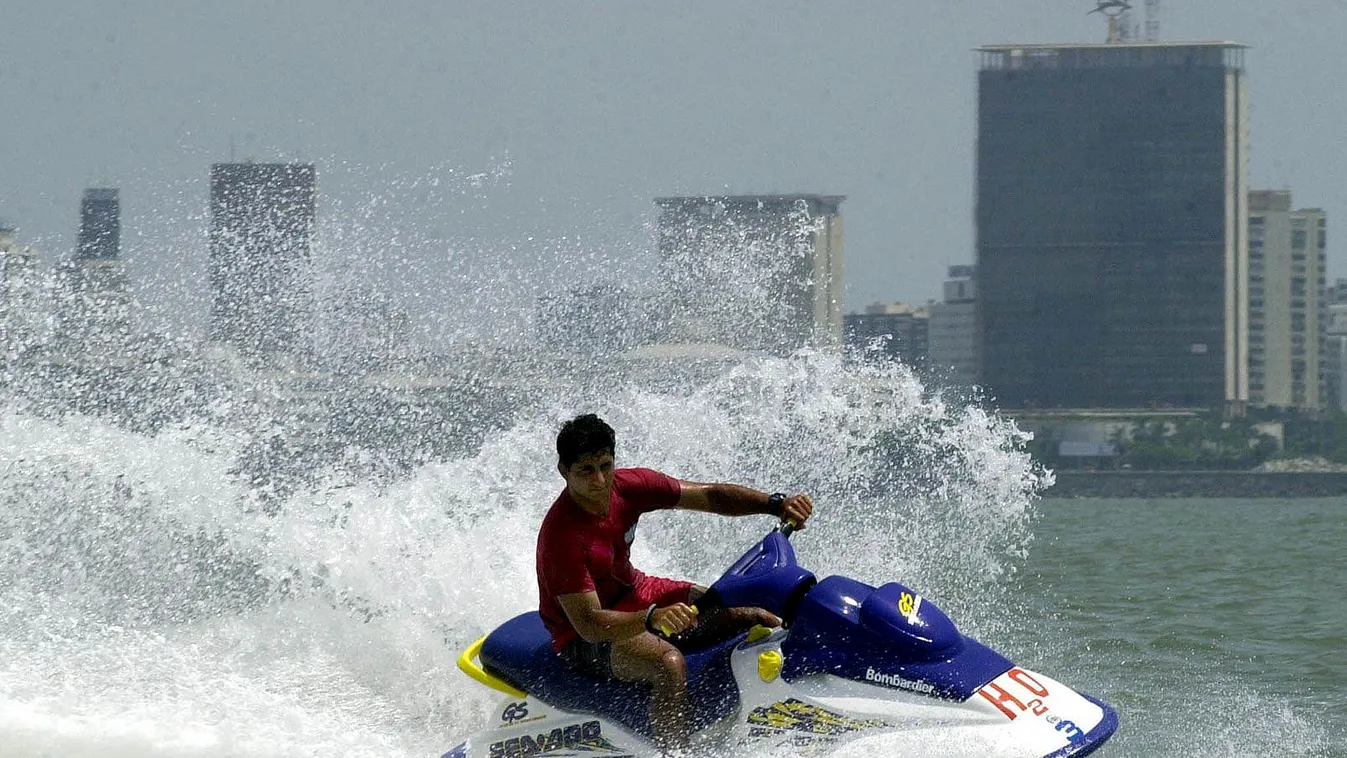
{"x": 1119, "y": 27}
{"x": 1152, "y": 20}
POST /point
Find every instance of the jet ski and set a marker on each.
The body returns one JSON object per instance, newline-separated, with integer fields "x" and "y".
{"x": 851, "y": 662}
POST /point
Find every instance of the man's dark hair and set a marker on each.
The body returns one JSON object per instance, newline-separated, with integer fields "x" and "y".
{"x": 583, "y": 435}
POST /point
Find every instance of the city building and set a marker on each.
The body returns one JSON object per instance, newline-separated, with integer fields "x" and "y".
{"x": 93, "y": 312}
{"x": 100, "y": 235}
{"x": 1335, "y": 347}
{"x": 757, "y": 272}
{"x": 953, "y": 329}
{"x": 1112, "y": 257}
{"x": 20, "y": 296}
{"x": 361, "y": 331}
{"x": 598, "y": 318}
{"x": 894, "y": 330}
{"x": 1288, "y": 304}
{"x": 261, "y": 224}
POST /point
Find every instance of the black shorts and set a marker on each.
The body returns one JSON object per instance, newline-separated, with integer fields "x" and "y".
{"x": 593, "y": 658}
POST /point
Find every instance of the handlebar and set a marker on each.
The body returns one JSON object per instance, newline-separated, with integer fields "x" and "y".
{"x": 711, "y": 599}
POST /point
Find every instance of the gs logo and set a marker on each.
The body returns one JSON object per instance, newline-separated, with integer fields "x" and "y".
{"x": 515, "y": 712}
{"x": 908, "y": 604}
{"x": 905, "y": 604}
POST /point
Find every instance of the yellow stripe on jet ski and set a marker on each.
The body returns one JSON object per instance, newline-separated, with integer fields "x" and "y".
{"x": 467, "y": 663}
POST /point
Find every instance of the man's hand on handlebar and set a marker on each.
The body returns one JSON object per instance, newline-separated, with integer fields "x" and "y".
{"x": 674, "y": 619}
{"x": 797, "y": 509}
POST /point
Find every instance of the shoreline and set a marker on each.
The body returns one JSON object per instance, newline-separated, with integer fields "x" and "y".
{"x": 1128, "y": 485}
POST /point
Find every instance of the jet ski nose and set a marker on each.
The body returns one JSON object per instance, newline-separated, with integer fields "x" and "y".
{"x": 900, "y": 618}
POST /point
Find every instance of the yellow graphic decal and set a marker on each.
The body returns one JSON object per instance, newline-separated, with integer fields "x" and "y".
{"x": 798, "y": 716}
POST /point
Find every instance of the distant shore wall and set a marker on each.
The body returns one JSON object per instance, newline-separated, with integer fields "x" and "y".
{"x": 1156, "y": 484}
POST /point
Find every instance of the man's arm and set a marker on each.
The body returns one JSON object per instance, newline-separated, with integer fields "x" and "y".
{"x": 595, "y": 624}
{"x": 724, "y": 499}
{"x": 735, "y": 500}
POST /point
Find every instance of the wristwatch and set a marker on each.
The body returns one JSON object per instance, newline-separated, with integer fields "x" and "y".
{"x": 775, "y": 502}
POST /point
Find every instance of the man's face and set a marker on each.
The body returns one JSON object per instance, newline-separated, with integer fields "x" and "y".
{"x": 590, "y": 478}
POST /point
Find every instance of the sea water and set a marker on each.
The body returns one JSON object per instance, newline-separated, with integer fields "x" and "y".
{"x": 188, "y": 587}
{"x": 150, "y": 608}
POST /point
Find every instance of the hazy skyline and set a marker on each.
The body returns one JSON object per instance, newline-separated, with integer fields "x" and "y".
{"x": 531, "y": 137}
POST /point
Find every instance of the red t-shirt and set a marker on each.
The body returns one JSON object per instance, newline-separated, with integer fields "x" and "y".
{"x": 581, "y": 552}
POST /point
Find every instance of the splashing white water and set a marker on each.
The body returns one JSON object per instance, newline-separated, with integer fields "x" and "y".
{"x": 156, "y": 610}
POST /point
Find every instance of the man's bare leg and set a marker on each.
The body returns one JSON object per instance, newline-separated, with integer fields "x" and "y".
{"x": 647, "y": 658}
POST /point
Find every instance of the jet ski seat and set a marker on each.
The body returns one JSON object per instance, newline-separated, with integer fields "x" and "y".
{"x": 520, "y": 652}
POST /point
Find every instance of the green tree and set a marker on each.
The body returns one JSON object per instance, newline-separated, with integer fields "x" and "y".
{"x": 1194, "y": 443}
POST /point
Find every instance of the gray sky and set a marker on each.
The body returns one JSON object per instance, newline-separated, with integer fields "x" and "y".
{"x": 531, "y": 136}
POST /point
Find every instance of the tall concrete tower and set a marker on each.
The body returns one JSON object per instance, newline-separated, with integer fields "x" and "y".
{"x": 100, "y": 235}
{"x": 20, "y": 297}
{"x": 1288, "y": 302}
{"x": 753, "y": 272}
{"x": 953, "y": 332}
{"x": 94, "y": 300}
{"x": 261, "y": 224}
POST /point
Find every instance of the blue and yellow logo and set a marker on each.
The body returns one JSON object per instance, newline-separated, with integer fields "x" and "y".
{"x": 906, "y": 604}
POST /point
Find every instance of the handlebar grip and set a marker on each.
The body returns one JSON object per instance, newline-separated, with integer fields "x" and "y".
{"x": 667, "y": 632}
{"x": 788, "y": 527}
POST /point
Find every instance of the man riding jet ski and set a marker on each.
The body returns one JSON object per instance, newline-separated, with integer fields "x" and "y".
{"x": 602, "y": 613}
{"x": 624, "y": 664}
